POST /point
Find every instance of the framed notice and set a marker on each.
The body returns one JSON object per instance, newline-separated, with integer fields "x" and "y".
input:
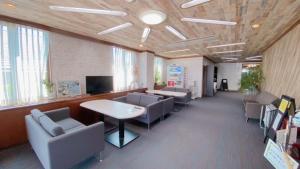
{"x": 175, "y": 76}
{"x": 68, "y": 88}
{"x": 278, "y": 158}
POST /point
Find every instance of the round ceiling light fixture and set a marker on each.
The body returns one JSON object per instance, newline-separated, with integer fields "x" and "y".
{"x": 152, "y": 17}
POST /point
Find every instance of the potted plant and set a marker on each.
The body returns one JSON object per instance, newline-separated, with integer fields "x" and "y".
{"x": 50, "y": 88}
{"x": 251, "y": 80}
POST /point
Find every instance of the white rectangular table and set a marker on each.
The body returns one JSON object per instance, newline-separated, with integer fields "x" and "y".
{"x": 119, "y": 111}
{"x": 167, "y": 93}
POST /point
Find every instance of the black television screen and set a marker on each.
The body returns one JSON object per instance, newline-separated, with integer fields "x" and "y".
{"x": 99, "y": 84}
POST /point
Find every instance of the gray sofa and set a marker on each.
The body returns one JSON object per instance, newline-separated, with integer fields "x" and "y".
{"x": 180, "y": 100}
{"x": 168, "y": 103}
{"x": 152, "y": 103}
{"x": 61, "y": 142}
{"x": 253, "y": 104}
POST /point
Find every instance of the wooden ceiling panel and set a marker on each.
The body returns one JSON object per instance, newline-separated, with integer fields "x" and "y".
{"x": 274, "y": 17}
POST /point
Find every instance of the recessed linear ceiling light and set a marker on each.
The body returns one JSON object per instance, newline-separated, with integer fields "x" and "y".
{"x": 152, "y": 17}
{"x": 123, "y": 26}
{"x": 145, "y": 34}
{"x": 230, "y": 58}
{"x": 193, "y": 3}
{"x": 231, "y": 51}
{"x": 174, "y": 51}
{"x": 88, "y": 10}
{"x": 231, "y": 44}
{"x": 254, "y": 57}
{"x": 208, "y": 21}
{"x": 175, "y": 32}
{"x": 193, "y": 54}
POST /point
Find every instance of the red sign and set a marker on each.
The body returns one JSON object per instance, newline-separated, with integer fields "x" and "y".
{"x": 171, "y": 83}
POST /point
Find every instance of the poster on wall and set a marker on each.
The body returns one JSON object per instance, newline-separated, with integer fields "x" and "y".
{"x": 68, "y": 88}
{"x": 175, "y": 76}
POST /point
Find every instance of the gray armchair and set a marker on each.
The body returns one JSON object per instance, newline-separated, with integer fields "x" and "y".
{"x": 168, "y": 105}
{"x": 180, "y": 100}
{"x": 253, "y": 104}
{"x": 61, "y": 142}
{"x": 152, "y": 103}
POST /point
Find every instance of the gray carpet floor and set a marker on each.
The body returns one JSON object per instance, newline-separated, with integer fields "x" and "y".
{"x": 211, "y": 133}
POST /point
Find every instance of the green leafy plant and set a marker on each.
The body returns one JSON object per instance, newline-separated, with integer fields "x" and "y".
{"x": 49, "y": 85}
{"x": 157, "y": 77}
{"x": 164, "y": 84}
{"x": 252, "y": 79}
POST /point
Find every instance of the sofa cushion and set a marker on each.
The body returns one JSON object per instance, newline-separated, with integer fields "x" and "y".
{"x": 265, "y": 98}
{"x": 36, "y": 114}
{"x": 169, "y": 89}
{"x": 133, "y": 98}
{"x": 50, "y": 126}
{"x": 147, "y": 99}
{"x": 182, "y": 90}
{"x": 68, "y": 123}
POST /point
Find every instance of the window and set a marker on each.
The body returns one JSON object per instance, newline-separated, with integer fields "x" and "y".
{"x": 124, "y": 69}
{"x": 23, "y": 63}
{"x": 158, "y": 70}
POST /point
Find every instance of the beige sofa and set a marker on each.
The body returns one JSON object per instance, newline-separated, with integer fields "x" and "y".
{"x": 253, "y": 104}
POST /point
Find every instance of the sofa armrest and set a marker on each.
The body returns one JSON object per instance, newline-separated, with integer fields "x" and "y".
{"x": 154, "y": 110}
{"x": 249, "y": 98}
{"x": 120, "y": 99}
{"x": 189, "y": 96}
{"x": 252, "y": 110}
{"x": 75, "y": 146}
{"x": 168, "y": 105}
{"x": 58, "y": 114}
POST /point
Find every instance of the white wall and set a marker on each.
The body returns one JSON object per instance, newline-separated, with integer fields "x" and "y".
{"x": 194, "y": 71}
{"x": 146, "y": 61}
{"x": 232, "y": 72}
{"x": 74, "y": 59}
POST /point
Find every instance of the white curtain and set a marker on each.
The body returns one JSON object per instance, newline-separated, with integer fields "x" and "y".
{"x": 23, "y": 63}
{"x": 158, "y": 70}
{"x": 124, "y": 69}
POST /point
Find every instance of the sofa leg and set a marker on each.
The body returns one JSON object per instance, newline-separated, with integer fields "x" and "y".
{"x": 148, "y": 127}
{"x": 100, "y": 157}
{"x": 247, "y": 119}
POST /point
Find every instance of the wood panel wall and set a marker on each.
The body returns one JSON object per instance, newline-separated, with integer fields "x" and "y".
{"x": 281, "y": 65}
{"x": 12, "y": 121}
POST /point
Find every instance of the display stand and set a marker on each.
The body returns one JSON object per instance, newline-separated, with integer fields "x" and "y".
{"x": 287, "y": 107}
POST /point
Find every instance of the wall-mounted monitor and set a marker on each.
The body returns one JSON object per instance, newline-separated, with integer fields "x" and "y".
{"x": 99, "y": 84}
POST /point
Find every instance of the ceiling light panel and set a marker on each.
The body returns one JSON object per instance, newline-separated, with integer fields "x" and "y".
{"x": 145, "y": 34}
{"x": 193, "y": 3}
{"x": 254, "y": 57}
{"x": 116, "y": 28}
{"x": 208, "y": 21}
{"x": 152, "y": 17}
{"x": 224, "y": 45}
{"x": 193, "y": 54}
{"x": 230, "y": 58}
{"x": 88, "y": 10}
{"x": 175, "y": 32}
{"x": 231, "y": 51}
{"x": 174, "y": 51}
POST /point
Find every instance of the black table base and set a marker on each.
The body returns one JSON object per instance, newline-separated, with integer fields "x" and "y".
{"x": 121, "y": 137}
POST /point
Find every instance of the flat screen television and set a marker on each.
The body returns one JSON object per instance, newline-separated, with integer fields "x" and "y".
{"x": 99, "y": 84}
